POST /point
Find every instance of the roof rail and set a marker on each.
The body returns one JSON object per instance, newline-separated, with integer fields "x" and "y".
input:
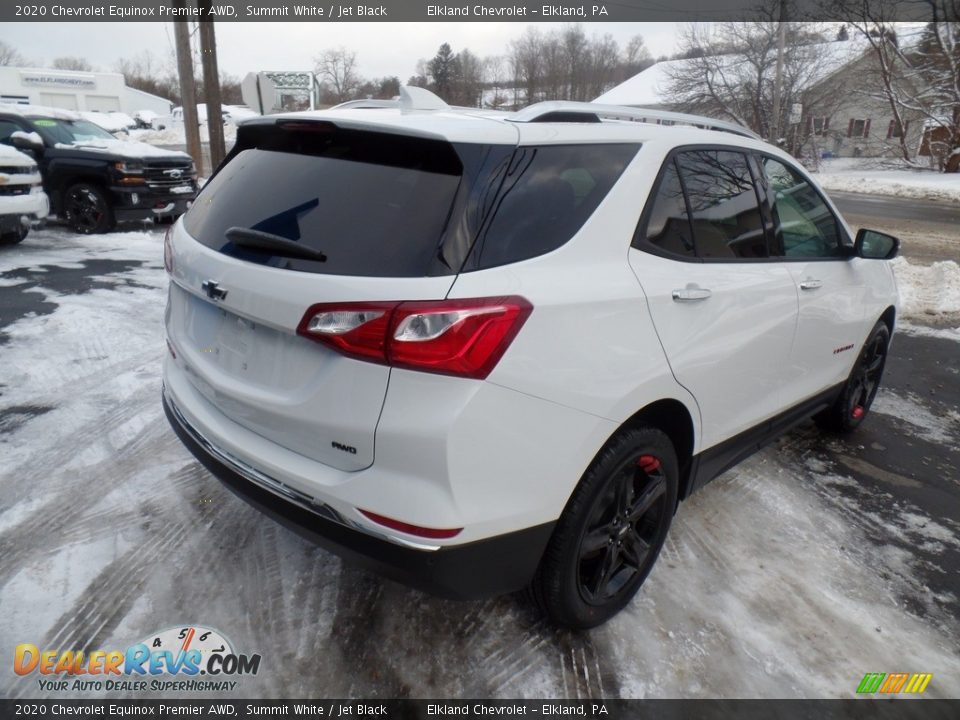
{"x": 366, "y": 104}
{"x": 541, "y": 112}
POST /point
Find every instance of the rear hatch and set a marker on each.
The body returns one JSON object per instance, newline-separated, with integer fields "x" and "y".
{"x": 306, "y": 212}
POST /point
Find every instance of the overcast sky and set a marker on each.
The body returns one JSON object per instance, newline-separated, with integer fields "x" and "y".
{"x": 382, "y": 48}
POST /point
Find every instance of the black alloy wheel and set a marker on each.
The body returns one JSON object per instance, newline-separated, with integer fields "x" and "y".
{"x": 611, "y": 531}
{"x": 87, "y": 210}
{"x": 619, "y": 536}
{"x": 858, "y": 393}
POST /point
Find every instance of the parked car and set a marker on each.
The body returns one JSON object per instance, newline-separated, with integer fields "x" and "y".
{"x": 93, "y": 179}
{"x": 117, "y": 124}
{"x": 23, "y": 202}
{"x": 481, "y": 352}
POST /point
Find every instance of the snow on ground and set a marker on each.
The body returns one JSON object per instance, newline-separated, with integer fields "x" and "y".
{"x": 930, "y": 292}
{"x": 784, "y": 578}
{"x": 887, "y": 177}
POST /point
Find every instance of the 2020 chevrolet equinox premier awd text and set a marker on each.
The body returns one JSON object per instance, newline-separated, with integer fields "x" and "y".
{"x": 488, "y": 351}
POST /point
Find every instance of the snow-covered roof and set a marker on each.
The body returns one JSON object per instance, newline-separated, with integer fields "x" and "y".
{"x": 650, "y": 88}
{"x": 144, "y": 93}
{"x": 34, "y": 111}
{"x": 645, "y": 89}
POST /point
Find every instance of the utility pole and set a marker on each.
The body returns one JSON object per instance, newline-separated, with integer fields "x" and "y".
{"x": 188, "y": 90}
{"x": 778, "y": 77}
{"x": 211, "y": 85}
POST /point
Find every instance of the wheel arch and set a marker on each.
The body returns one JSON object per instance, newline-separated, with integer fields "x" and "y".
{"x": 889, "y": 318}
{"x": 673, "y": 418}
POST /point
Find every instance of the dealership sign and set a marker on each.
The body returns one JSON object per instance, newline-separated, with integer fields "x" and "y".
{"x": 47, "y": 79}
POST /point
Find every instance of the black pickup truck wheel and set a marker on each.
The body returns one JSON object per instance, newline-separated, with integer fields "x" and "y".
{"x": 87, "y": 209}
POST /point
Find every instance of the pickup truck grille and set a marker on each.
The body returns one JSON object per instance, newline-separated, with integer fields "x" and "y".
{"x": 7, "y": 190}
{"x": 16, "y": 170}
{"x": 169, "y": 174}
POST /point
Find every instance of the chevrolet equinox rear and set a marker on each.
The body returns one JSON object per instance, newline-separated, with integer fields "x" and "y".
{"x": 478, "y": 352}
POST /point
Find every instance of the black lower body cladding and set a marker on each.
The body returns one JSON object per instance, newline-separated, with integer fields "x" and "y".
{"x": 472, "y": 571}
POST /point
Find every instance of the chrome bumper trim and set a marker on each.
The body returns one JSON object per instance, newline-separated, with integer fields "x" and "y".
{"x": 278, "y": 488}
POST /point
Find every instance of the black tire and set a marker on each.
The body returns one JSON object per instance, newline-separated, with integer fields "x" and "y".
{"x": 853, "y": 404}
{"x": 14, "y": 236}
{"x": 87, "y": 209}
{"x": 599, "y": 555}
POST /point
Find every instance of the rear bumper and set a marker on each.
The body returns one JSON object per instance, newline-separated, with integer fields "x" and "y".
{"x": 474, "y": 570}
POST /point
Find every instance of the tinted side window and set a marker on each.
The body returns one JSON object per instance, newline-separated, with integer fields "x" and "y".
{"x": 8, "y": 128}
{"x": 724, "y": 206}
{"x": 668, "y": 225}
{"x": 547, "y": 196}
{"x": 805, "y": 226}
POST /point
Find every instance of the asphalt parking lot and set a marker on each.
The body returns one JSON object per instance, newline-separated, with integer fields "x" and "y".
{"x": 794, "y": 574}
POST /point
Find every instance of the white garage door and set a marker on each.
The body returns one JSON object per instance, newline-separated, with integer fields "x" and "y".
{"x": 59, "y": 100}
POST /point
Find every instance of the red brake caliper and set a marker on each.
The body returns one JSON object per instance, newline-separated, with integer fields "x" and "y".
{"x": 648, "y": 463}
{"x": 857, "y": 412}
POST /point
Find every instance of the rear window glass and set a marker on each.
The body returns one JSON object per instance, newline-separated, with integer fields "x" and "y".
{"x": 374, "y": 204}
{"x": 724, "y": 206}
{"x": 668, "y": 225}
{"x": 547, "y": 196}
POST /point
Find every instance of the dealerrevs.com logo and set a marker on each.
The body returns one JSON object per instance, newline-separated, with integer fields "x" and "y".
{"x": 179, "y": 659}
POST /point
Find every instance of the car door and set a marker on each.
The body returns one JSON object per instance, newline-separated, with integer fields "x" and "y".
{"x": 812, "y": 245}
{"x": 724, "y": 312}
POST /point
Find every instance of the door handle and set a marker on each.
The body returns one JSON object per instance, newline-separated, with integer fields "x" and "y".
{"x": 810, "y": 284}
{"x": 691, "y": 294}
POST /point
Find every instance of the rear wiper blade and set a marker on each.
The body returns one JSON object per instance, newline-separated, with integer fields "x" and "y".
{"x": 259, "y": 240}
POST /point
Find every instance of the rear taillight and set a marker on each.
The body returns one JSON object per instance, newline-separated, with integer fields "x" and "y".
{"x": 168, "y": 251}
{"x": 466, "y": 338}
{"x": 355, "y": 329}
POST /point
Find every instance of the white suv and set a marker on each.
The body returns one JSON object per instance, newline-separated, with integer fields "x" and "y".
{"x": 482, "y": 352}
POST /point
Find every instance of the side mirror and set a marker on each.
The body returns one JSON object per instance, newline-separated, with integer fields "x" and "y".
{"x": 26, "y": 141}
{"x": 874, "y": 245}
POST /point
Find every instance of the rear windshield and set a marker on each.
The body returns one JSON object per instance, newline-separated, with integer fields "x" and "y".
{"x": 374, "y": 204}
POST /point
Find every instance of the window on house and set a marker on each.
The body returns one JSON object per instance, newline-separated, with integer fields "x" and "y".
{"x": 896, "y": 129}
{"x": 819, "y": 125}
{"x": 858, "y": 128}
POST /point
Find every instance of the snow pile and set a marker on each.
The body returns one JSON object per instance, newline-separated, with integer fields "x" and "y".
{"x": 111, "y": 122}
{"x": 928, "y": 290}
{"x": 887, "y": 178}
{"x": 174, "y": 134}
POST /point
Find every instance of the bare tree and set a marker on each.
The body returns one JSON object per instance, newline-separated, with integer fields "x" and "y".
{"x": 9, "y": 55}
{"x": 471, "y": 78}
{"x": 729, "y": 71}
{"x": 495, "y": 72}
{"x": 72, "y": 63}
{"x": 527, "y": 63}
{"x": 604, "y": 66}
{"x": 337, "y": 69}
{"x": 148, "y": 73}
{"x": 919, "y": 79}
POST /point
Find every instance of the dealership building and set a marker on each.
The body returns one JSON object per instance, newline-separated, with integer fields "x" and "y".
{"x": 69, "y": 90}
